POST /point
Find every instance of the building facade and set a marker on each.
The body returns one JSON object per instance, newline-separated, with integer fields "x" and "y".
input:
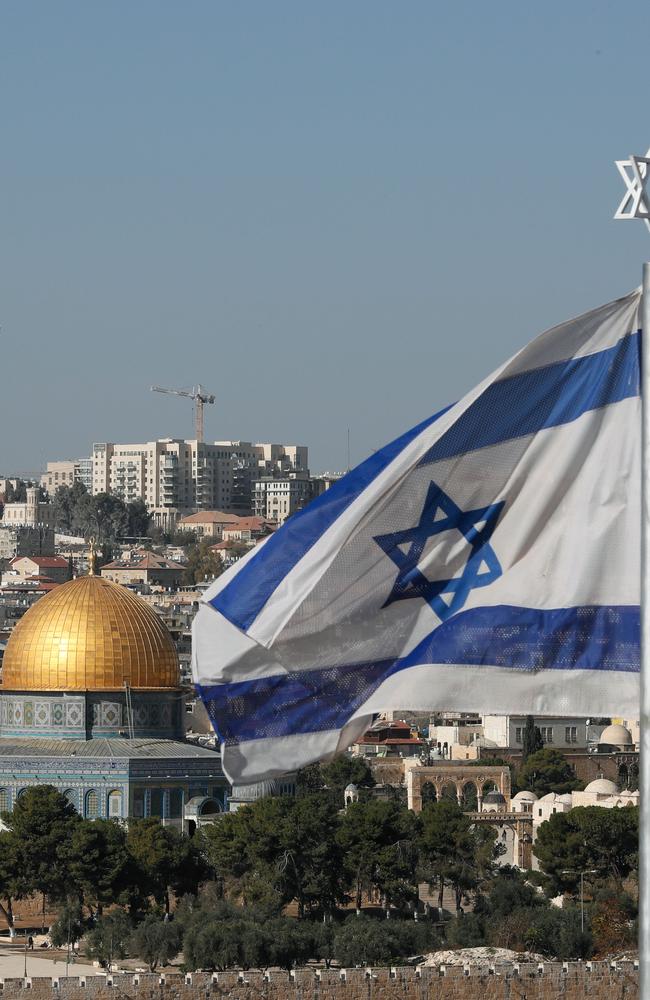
{"x": 174, "y": 476}
{"x": 90, "y": 703}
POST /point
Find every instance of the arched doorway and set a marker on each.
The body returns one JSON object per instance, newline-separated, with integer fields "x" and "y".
{"x": 429, "y": 793}
{"x": 469, "y": 797}
{"x": 448, "y": 791}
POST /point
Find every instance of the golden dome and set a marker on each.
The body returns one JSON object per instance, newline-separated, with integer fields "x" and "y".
{"x": 89, "y": 634}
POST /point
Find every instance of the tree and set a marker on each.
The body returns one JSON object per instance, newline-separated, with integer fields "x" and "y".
{"x": 557, "y": 934}
{"x": 344, "y": 770}
{"x": 279, "y": 849}
{"x": 156, "y": 941}
{"x": 100, "y": 866}
{"x": 290, "y": 942}
{"x": 65, "y": 502}
{"x": 311, "y": 862}
{"x": 13, "y": 884}
{"x": 547, "y": 771}
{"x": 217, "y": 943}
{"x": 138, "y": 518}
{"x": 102, "y": 516}
{"x": 532, "y": 741}
{"x": 69, "y": 926}
{"x": 166, "y": 859}
{"x": 202, "y": 563}
{"x": 42, "y": 825}
{"x": 366, "y": 941}
{"x": 108, "y": 938}
{"x": 586, "y": 838}
{"x": 453, "y": 851}
{"x": 378, "y": 840}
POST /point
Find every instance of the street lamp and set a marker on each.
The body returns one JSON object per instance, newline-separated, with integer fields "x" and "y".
{"x": 581, "y": 873}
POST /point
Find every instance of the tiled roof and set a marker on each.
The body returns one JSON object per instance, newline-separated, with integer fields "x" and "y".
{"x": 45, "y": 562}
{"x": 210, "y": 517}
{"x": 143, "y": 559}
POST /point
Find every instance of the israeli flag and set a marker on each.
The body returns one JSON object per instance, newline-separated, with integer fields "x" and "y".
{"x": 488, "y": 560}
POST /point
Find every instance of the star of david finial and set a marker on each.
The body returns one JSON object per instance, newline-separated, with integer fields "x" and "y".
{"x": 635, "y": 203}
{"x": 459, "y": 570}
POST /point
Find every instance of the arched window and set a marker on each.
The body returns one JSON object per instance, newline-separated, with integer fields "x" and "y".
{"x": 115, "y": 804}
{"x": 4, "y": 799}
{"x": 72, "y": 797}
{"x": 92, "y": 804}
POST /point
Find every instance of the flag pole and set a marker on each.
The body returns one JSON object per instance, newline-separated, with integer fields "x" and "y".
{"x": 644, "y": 718}
{"x": 635, "y": 204}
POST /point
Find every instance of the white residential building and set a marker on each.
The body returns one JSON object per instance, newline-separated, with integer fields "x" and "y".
{"x": 559, "y": 732}
{"x": 175, "y": 476}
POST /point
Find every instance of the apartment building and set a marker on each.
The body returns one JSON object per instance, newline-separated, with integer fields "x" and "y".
{"x": 174, "y": 476}
{"x": 66, "y": 473}
{"x": 275, "y": 498}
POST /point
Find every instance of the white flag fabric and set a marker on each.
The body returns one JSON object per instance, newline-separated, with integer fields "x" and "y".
{"x": 487, "y": 560}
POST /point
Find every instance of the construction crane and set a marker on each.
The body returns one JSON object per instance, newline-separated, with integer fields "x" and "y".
{"x": 199, "y": 395}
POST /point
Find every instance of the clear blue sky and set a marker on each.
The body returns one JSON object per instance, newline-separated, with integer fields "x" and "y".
{"x": 332, "y": 214}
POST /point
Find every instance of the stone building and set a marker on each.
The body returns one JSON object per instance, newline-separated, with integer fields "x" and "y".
{"x": 90, "y": 703}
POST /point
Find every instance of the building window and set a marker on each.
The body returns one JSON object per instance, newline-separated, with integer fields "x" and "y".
{"x": 138, "y": 803}
{"x": 4, "y": 799}
{"x": 571, "y": 734}
{"x": 72, "y": 797}
{"x": 519, "y": 737}
{"x": 547, "y": 734}
{"x": 156, "y": 806}
{"x": 92, "y": 804}
{"x": 115, "y": 804}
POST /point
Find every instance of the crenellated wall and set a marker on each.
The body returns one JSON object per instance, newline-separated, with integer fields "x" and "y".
{"x": 569, "y": 981}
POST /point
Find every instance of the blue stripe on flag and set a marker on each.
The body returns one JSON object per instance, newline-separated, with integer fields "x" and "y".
{"x": 545, "y": 397}
{"x": 591, "y": 638}
{"x": 512, "y": 407}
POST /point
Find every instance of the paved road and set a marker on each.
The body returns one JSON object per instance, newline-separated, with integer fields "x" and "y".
{"x": 12, "y": 963}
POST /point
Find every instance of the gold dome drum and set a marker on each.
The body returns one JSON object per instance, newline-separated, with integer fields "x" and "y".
{"x": 89, "y": 635}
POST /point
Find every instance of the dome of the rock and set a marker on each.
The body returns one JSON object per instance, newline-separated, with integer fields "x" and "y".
{"x": 89, "y": 635}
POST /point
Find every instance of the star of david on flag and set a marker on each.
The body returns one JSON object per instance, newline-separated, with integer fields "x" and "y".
{"x": 440, "y": 515}
{"x": 486, "y": 560}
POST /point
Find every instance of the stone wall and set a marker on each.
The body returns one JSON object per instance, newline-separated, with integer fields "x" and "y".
{"x": 569, "y": 981}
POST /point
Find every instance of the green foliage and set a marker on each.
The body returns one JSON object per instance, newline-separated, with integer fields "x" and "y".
{"x": 155, "y": 941}
{"x": 547, "y": 771}
{"x": 69, "y": 926}
{"x": 452, "y": 851}
{"x": 100, "y": 866}
{"x": 344, "y": 770}
{"x": 166, "y": 859}
{"x": 202, "y": 563}
{"x": 465, "y": 931}
{"x": 108, "y": 939}
{"x": 556, "y": 933}
{"x": 138, "y": 518}
{"x": 378, "y": 840}
{"x": 41, "y": 827}
{"x": 365, "y": 941}
{"x": 309, "y": 780}
{"x": 280, "y": 849}
{"x": 532, "y": 741}
{"x": 585, "y": 838}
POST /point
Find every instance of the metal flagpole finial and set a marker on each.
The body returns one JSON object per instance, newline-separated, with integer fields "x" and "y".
{"x": 635, "y": 203}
